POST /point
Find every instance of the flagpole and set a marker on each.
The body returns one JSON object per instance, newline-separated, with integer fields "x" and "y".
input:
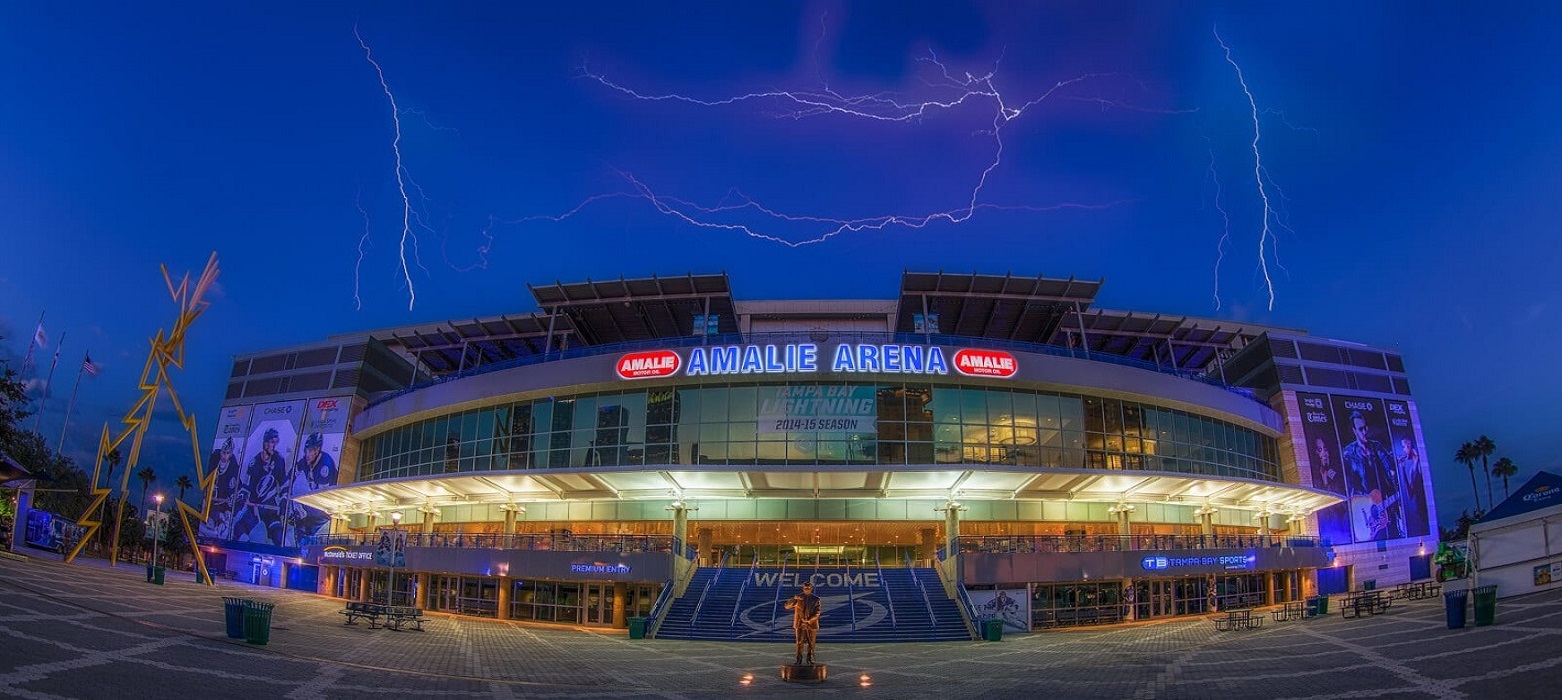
{"x": 59, "y": 448}
{"x": 32, "y": 341}
{"x": 38, "y": 424}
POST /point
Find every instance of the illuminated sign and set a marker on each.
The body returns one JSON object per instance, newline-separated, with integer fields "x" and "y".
{"x": 339, "y": 552}
{"x": 1228, "y": 562}
{"x": 985, "y": 363}
{"x": 599, "y": 568}
{"x": 655, "y": 363}
{"x": 809, "y": 358}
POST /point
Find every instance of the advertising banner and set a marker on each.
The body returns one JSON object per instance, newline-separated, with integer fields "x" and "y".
{"x": 227, "y": 462}
{"x": 316, "y": 465}
{"x": 261, "y": 501}
{"x": 1371, "y": 478}
{"x": 1410, "y": 469}
{"x": 1011, "y": 606}
{"x": 808, "y": 408}
{"x": 1328, "y": 472}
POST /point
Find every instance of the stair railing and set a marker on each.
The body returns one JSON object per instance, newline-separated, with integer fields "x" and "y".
{"x": 700, "y": 604}
{"x": 776, "y": 603}
{"x": 884, "y": 585}
{"x": 850, "y": 602}
{"x": 925, "y": 600}
{"x": 968, "y": 612}
{"x": 741, "y": 589}
{"x": 659, "y": 609}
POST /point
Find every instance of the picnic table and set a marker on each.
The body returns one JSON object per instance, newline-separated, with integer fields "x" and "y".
{"x": 1293, "y": 610}
{"x": 356, "y": 611}
{"x": 1416, "y": 590}
{"x": 1242, "y": 619}
{"x": 1368, "y": 602}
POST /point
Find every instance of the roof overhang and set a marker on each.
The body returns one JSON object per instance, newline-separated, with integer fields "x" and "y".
{"x": 929, "y": 482}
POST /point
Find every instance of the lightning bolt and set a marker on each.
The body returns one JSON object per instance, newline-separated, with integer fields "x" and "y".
{"x": 401, "y": 176}
{"x": 1265, "y": 234}
{"x": 363, "y": 241}
{"x": 1225, "y": 233}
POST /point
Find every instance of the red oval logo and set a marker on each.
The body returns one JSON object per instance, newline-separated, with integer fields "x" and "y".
{"x": 985, "y": 363}
{"x": 653, "y": 363}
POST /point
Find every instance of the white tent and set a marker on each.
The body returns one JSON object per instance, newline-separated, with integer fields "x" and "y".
{"x": 1518, "y": 545}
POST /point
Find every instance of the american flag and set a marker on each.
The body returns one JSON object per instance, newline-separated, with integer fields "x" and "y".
{"x": 88, "y": 366}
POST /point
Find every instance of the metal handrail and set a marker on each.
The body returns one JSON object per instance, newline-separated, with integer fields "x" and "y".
{"x": 889, "y": 601}
{"x": 850, "y": 602}
{"x": 659, "y": 609}
{"x": 699, "y": 605}
{"x": 1053, "y": 544}
{"x": 776, "y": 603}
{"x": 925, "y": 599}
{"x": 736, "y": 603}
{"x": 970, "y": 611}
{"x": 622, "y": 544}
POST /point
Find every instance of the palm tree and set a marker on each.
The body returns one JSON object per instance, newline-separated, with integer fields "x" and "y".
{"x": 147, "y": 476}
{"x": 113, "y": 458}
{"x": 1467, "y": 455}
{"x": 1485, "y": 446}
{"x": 1505, "y": 468}
{"x": 183, "y": 482}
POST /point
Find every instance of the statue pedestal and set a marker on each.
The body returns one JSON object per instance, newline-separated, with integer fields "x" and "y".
{"x": 804, "y": 673}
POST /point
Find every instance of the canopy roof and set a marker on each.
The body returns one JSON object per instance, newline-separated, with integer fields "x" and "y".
{"x": 695, "y": 483}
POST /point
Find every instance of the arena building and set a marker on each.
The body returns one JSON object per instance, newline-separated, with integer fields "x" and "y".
{"x": 976, "y": 447}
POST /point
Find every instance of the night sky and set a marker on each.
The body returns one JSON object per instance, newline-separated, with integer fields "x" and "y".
{"x": 1412, "y": 154}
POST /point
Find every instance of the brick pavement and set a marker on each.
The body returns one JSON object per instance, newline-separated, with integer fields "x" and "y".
{"x": 85, "y": 630}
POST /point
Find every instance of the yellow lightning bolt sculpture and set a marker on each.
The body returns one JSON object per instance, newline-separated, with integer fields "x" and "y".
{"x": 167, "y": 350}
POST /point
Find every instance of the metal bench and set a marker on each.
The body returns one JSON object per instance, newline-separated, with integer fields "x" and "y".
{"x": 364, "y": 611}
{"x": 399, "y": 617}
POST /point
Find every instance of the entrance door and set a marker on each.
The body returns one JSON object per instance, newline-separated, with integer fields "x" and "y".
{"x": 599, "y": 604}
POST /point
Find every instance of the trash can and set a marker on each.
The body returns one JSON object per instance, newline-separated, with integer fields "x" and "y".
{"x": 257, "y": 622}
{"x": 1453, "y": 605}
{"x": 637, "y": 628}
{"x": 201, "y": 577}
{"x": 1311, "y": 609}
{"x": 233, "y": 615}
{"x": 157, "y": 574}
{"x": 1369, "y": 584}
{"x": 1485, "y": 605}
{"x": 992, "y": 630}
{"x": 1323, "y": 605}
{"x": 148, "y": 573}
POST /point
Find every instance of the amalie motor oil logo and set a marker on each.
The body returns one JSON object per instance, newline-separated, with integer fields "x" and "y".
{"x": 985, "y": 363}
{"x": 652, "y": 363}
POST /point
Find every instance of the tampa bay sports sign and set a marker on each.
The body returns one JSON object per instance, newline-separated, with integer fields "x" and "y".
{"x": 809, "y": 358}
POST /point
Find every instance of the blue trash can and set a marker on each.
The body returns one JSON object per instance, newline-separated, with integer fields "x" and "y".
{"x": 233, "y": 615}
{"x": 1453, "y": 604}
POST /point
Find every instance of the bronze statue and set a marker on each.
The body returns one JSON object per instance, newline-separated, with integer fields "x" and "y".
{"x": 806, "y": 609}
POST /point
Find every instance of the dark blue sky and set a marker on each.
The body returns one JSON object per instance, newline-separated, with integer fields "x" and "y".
{"x": 1412, "y": 150}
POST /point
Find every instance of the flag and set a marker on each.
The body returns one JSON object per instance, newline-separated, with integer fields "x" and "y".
{"x": 40, "y": 338}
{"x": 88, "y": 366}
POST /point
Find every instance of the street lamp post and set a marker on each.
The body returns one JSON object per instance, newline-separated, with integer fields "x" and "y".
{"x": 154, "y": 522}
{"x": 390, "y": 580}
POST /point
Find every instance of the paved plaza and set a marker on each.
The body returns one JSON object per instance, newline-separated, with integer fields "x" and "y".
{"x": 85, "y": 630}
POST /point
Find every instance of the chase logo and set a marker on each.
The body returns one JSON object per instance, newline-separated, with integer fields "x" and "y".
{"x": 1153, "y": 563}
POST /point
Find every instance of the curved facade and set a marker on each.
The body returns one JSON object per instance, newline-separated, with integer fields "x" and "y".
{"x": 609, "y": 461}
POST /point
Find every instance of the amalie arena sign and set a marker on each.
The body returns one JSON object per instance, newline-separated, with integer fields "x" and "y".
{"x": 806, "y": 358}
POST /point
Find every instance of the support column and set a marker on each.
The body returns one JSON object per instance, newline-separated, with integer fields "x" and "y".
{"x": 287, "y": 568}
{"x": 505, "y": 584}
{"x": 325, "y": 586}
{"x": 1131, "y": 598}
{"x": 1263, "y": 522}
{"x": 703, "y": 538}
{"x": 1207, "y": 523}
{"x": 363, "y": 584}
{"x": 1269, "y": 583}
{"x": 1123, "y": 528}
{"x": 926, "y": 545}
{"x": 428, "y": 522}
{"x": 509, "y": 521}
{"x": 681, "y": 566}
{"x": 620, "y": 600}
{"x": 420, "y": 598}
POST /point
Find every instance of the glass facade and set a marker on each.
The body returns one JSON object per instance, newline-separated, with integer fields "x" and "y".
{"x": 822, "y": 423}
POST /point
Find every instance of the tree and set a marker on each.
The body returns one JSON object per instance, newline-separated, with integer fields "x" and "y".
{"x": 1485, "y": 447}
{"x": 147, "y": 476}
{"x": 13, "y": 407}
{"x": 1467, "y": 455}
{"x": 1505, "y": 468}
{"x": 113, "y": 458}
{"x": 184, "y": 483}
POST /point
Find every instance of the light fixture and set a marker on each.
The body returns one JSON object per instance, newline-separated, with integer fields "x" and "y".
{"x": 395, "y": 517}
{"x": 1121, "y": 507}
{"x": 1206, "y": 509}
